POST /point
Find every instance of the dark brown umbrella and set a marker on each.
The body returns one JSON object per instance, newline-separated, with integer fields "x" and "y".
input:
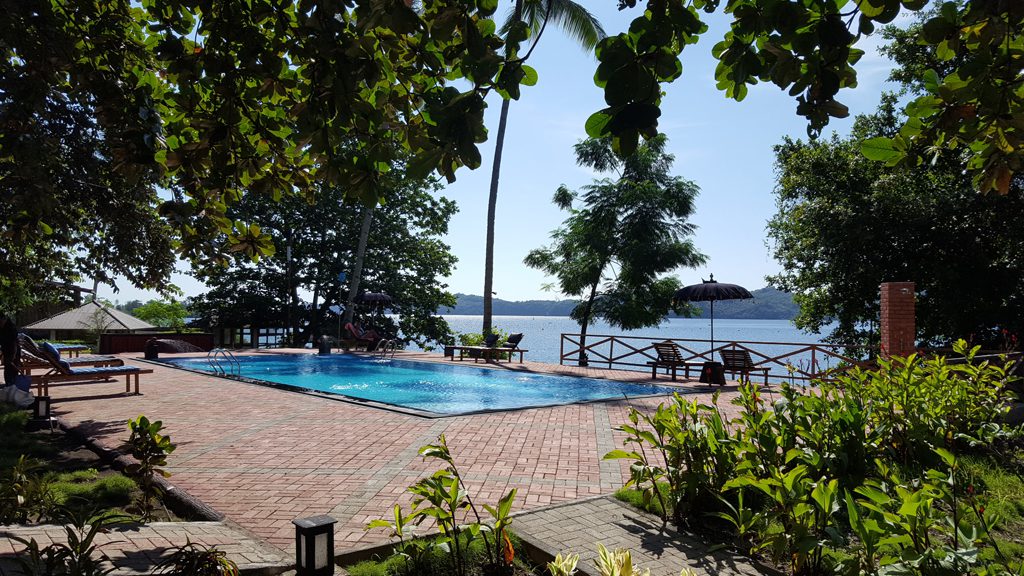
{"x": 377, "y": 300}
{"x": 711, "y": 291}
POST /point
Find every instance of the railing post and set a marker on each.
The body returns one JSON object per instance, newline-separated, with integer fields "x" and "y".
{"x": 611, "y": 352}
{"x": 561, "y": 350}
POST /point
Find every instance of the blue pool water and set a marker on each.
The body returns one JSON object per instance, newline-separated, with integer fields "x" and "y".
{"x": 431, "y": 387}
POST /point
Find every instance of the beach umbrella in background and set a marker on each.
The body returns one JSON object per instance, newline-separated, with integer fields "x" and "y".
{"x": 711, "y": 291}
{"x": 377, "y": 300}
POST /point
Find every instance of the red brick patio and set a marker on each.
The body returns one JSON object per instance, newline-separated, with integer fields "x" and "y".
{"x": 264, "y": 457}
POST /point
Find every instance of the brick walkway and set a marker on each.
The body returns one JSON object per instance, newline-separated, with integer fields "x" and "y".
{"x": 263, "y": 456}
{"x": 135, "y": 549}
{"x": 578, "y": 527}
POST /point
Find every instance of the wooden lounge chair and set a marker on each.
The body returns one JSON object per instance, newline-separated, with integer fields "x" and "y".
{"x": 64, "y": 373}
{"x": 477, "y": 352}
{"x": 72, "y": 350}
{"x": 511, "y": 346}
{"x": 671, "y": 359}
{"x": 357, "y": 338}
{"x": 739, "y": 362}
{"x": 30, "y": 362}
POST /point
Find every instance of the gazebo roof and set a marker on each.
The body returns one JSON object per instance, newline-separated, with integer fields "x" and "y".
{"x": 85, "y": 318}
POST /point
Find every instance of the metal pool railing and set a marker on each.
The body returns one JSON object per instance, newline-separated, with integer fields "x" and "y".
{"x": 789, "y": 361}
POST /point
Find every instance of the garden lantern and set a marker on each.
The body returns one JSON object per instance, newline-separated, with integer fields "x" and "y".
{"x": 314, "y": 546}
{"x": 41, "y": 408}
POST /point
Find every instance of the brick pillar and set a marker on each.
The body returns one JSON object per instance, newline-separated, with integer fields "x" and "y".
{"x": 898, "y": 321}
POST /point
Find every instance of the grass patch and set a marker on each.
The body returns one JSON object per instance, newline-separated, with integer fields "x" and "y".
{"x": 635, "y": 498}
{"x": 72, "y": 475}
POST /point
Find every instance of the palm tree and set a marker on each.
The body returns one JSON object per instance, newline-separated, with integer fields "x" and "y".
{"x": 581, "y": 26}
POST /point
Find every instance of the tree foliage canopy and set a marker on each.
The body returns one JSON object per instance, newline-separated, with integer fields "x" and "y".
{"x": 614, "y": 248}
{"x": 165, "y": 314}
{"x": 404, "y": 258}
{"x": 101, "y": 101}
{"x": 846, "y": 224}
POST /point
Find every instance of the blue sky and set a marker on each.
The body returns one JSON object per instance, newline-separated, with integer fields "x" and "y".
{"x": 722, "y": 145}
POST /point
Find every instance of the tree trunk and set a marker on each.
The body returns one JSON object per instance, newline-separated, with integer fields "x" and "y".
{"x": 357, "y": 269}
{"x": 583, "y": 326}
{"x": 492, "y": 200}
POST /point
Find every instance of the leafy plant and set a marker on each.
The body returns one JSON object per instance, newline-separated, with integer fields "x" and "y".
{"x": 815, "y": 478}
{"x": 26, "y": 493}
{"x": 617, "y": 562}
{"x": 692, "y": 453}
{"x": 150, "y": 449}
{"x": 563, "y": 566}
{"x": 78, "y": 556}
{"x": 191, "y": 559}
{"x": 443, "y": 498}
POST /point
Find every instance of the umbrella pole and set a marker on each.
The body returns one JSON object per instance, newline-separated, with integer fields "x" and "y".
{"x": 712, "y": 330}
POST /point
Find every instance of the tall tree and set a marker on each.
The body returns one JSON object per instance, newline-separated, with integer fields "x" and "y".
{"x": 404, "y": 257}
{"x": 578, "y": 24}
{"x": 613, "y": 250}
{"x": 846, "y": 224}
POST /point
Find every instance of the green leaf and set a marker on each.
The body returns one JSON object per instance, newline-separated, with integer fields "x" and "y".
{"x": 880, "y": 149}
{"x": 597, "y": 124}
{"x": 529, "y": 76}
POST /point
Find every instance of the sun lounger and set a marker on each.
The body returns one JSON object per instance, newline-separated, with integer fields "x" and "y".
{"x": 30, "y": 362}
{"x": 64, "y": 373}
{"x": 72, "y": 350}
{"x": 489, "y": 351}
{"x": 739, "y": 362}
{"x": 671, "y": 359}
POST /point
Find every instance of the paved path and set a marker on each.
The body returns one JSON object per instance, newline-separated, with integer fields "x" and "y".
{"x": 578, "y": 527}
{"x": 136, "y": 549}
{"x": 263, "y": 456}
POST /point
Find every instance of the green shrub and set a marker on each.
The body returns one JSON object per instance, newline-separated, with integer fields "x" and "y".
{"x": 853, "y": 475}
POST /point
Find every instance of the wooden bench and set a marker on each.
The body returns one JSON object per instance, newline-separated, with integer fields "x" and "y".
{"x": 670, "y": 358}
{"x": 739, "y": 362}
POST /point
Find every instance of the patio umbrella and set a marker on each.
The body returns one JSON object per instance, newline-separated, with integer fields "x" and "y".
{"x": 711, "y": 291}
{"x": 378, "y": 300}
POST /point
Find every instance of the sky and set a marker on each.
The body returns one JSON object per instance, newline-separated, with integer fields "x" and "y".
{"x": 724, "y": 146}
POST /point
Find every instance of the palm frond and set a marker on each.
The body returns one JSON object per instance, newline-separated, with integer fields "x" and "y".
{"x": 575, "y": 20}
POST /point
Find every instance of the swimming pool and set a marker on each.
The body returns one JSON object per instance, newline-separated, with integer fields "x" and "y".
{"x": 442, "y": 389}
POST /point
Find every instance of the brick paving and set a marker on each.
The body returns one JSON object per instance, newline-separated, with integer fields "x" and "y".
{"x": 263, "y": 456}
{"x": 577, "y": 528}
{"x": 138, "y": 549}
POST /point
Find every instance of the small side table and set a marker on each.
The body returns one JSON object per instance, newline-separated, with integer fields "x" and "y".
{"x": 713, "y": 373}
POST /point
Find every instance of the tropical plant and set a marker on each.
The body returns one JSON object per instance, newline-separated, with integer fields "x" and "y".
{"x": 529, "y": 17}
{"x": 861, "y": 472}
{"x": 443, "y": 498}
{"x": 191, "y": 559}
{"x": 563, "y": 566}
{"x": 26, "y": 494}
{"x": 618, "y": 562}
{"x": 78, "y": 555}
{"x": 613, "y": 249}
{"x": 150, "y": 449}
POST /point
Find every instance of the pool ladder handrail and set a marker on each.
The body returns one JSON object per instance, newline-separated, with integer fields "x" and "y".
{"x": 217, "y": 355}
{"x": 384, "y": 347}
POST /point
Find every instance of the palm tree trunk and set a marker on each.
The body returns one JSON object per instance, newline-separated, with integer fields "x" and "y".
{"x": 492, "y": 201}
{"x": 357, "y": 271}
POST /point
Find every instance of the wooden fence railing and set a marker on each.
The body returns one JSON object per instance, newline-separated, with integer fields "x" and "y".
{"x": 797, "y": 362}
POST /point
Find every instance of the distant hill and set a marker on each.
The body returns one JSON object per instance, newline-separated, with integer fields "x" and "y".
{"x": 768, "y": 304}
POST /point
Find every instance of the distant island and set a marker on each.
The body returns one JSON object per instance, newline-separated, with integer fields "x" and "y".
{"x": 768, "y": 304}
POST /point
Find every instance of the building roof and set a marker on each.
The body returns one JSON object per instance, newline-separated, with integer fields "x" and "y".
{"x": 89, "y": 316}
